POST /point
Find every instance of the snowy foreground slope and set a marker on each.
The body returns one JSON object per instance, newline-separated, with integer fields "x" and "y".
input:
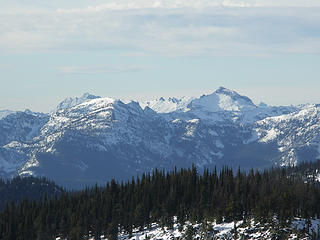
{"x": 300, "y": 229}
{"x": 92, "y": 139}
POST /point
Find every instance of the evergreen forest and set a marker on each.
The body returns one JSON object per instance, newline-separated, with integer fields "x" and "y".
{"x": 224, "y": 195}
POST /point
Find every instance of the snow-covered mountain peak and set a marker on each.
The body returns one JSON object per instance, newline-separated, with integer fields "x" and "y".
{"x": 222, "y": 100}
{"x": 97, "y": 102}
{"x": 4, "y": 113}
{"x": 171, "y": 104}
{"x": 97, "y": 137}
{"x": 88, "y": 96}
{"x": 71, "y": 102}
{"x": 106, "y": 104}
{"x": 13, "y": 114}
{"x": 98, "y": 113}
{"x": 134, "y": 104}
{"x": 225, "y": 91}
{"x": 236, "y": 97}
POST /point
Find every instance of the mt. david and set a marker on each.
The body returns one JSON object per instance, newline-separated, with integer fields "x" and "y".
{"x": 93, "y": 139}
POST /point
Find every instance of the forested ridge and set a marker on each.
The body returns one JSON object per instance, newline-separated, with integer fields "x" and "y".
{"x": 19, "y": 188}
{"x": 159, "y": 196}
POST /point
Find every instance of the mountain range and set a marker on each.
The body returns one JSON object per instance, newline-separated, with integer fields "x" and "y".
{"x": 93, "y": 139}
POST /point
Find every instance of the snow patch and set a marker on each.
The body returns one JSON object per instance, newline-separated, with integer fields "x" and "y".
{"x": 33, "y": 162}
{"x": 219, "y": 144}
{"x": 190, "y": 131}
{"x": 14, "y": 144}
{"x": 177, "y": 120}
{"x": 290, "y": 159}
{"x": 196, "y": 120}
{"x": 271, "y": 135}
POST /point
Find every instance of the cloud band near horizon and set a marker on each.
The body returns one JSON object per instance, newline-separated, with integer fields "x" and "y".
{"x": 167, "y": 29}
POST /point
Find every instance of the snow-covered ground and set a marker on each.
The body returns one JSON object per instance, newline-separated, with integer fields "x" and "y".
{"x": 300, "y": 229}
{"x": 233, "y": 230}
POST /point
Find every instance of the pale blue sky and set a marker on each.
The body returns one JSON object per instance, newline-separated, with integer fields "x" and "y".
{"x": 142, "y": 49}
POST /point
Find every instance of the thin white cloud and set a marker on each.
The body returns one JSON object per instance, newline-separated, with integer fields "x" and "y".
{"x": 157, "y": 4}
{"x": 100, "y": 69}
{"x": 192, "y": 4}
{"x": 21, "y": 6}
{"x": 170, "y": 31}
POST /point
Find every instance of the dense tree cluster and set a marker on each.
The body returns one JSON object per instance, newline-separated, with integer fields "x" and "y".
{"x": 157, "y": 197}
{"x": 306, "y": 170}
{"x": 19, "y": 188}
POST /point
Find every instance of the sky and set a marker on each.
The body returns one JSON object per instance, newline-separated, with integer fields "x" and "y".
{"x": 268, "y": 50}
